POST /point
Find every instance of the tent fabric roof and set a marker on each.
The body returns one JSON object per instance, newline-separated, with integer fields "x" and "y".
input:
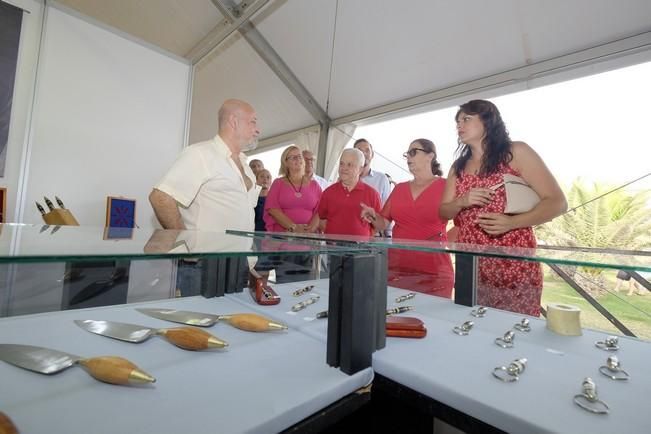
{"x": 358, "y": 54}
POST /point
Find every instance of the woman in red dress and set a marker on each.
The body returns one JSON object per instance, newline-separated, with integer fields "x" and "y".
{"x": 485, "y": 154}
{"x": 413, "y": 206}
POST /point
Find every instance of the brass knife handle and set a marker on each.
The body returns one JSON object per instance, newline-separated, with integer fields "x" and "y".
{"x": 115, "y": 370}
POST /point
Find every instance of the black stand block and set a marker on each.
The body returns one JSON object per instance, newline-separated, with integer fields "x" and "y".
{"x": 356, "y": 312}
{"x": 465, "y": 280}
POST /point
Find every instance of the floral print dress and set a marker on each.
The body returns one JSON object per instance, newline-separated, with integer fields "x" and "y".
{"x": 512, "y": 285}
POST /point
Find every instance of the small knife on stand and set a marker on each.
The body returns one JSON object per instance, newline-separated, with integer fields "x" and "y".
{"x": 109, "y": 369}
{"x": 187, "y": 338}
{"x": 244, "y": 321}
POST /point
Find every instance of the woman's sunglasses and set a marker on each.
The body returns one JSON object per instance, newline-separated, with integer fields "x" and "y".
{"x": 413, "y": 151}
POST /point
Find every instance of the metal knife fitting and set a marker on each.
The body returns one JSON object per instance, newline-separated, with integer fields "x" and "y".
{"x": 187, "y": 338}
{"x": 400, "y": 309}
{"x": 250, "y": 322}
{"x": 109, "y": 369}
{"x": 305, "y": 303}
{"x": 303, "y": 290}
{"x": 405, "y": 297}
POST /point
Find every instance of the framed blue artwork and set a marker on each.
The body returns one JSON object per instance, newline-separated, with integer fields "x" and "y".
{"x": 120, "y": 212}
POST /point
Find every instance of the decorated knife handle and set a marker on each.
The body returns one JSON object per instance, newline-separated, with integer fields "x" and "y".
{"x": 190, "y": 338}
{"x": 261, "y": 292}
{"x": 6, "y": 425}
{"x": 115, "y": 370}
{"x": 252, "y": 322}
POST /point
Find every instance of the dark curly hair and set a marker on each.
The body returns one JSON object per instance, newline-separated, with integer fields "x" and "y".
{"x": 428, "y": 145}
{"x": 497, "y": 143}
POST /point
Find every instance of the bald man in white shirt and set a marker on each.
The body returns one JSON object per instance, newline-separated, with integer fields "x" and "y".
{"x": 210, "y": 186}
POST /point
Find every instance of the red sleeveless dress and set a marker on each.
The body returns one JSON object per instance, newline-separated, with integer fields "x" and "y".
{"x": 418, "y": 219}
{"x": 505, "y": 284}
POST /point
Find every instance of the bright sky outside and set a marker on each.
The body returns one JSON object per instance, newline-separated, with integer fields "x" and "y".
{"x": 592, "y": 128}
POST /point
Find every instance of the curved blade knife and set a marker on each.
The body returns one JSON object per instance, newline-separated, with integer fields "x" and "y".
{"x": 187, "y": 338}
{"x": 244, "y": 321}
{"x": 109, "y": 369}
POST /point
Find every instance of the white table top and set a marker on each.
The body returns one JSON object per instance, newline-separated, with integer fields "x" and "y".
{"x": 456, "y": 370}
{"x": 264, "y": 382}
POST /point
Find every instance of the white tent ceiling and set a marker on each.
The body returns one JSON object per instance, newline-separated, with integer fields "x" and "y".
{"x": 354, "y": 55}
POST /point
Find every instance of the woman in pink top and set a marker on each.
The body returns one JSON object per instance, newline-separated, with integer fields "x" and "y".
{"x": 292, "y": 205}
{"x": 293, "y": 199}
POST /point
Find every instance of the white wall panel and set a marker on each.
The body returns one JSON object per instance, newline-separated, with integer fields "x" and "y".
{"x": 109, "y": 119}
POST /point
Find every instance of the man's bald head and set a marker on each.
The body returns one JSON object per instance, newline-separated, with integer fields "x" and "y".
{"x": 238, "y": 125}
{"x": 232, "y": 107}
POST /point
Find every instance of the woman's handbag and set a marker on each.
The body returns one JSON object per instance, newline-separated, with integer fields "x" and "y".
{"x": 520, "y": 197}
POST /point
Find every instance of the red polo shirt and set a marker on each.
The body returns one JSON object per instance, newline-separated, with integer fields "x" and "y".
{"x": 341, "y": 208}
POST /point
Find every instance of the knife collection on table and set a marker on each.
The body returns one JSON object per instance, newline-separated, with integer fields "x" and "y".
{"x": 116, "y": 370}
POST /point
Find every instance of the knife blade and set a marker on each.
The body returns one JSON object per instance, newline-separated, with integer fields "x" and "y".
{"x": 244, "y": 321}
{"x": 183, "y": 337}
{"x": 109, "y": 369}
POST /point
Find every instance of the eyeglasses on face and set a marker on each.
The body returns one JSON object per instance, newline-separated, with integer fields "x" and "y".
{"x": 294, "y": 157}
{"x": 413, "y": 151}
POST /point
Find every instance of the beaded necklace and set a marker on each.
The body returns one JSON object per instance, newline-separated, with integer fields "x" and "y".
{"x": 297, "y": 191}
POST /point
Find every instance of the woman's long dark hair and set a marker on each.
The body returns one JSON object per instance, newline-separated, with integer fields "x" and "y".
{"x": 496, "y": 143}
{"x": 428, "y": 145}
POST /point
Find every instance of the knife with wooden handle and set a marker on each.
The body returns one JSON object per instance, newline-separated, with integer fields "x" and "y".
{"x": 109, "y": 369}
{"x": 187, "y": 338}
{"x": 244, "y": 321}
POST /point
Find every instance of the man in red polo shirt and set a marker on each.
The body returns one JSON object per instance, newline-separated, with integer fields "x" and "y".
{"x": 339, "y": 209}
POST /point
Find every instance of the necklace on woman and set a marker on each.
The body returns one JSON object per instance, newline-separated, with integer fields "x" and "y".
{"x": 297, "y": 191}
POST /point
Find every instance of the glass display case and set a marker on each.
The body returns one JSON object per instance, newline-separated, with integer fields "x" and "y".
{"x": 449, "y": 368}
{"x": 337, "y": 306}
{"x": 56, "y": 280}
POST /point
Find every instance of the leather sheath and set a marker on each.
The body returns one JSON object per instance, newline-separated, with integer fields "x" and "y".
{"x": 405, "y": 327}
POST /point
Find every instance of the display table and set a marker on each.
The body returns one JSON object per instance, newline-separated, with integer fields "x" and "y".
{"x": 264, "y": 382}
{"x": 456, "y": 370}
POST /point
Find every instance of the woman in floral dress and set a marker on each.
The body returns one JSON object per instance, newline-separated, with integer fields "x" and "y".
{"x": 485, "y": 154}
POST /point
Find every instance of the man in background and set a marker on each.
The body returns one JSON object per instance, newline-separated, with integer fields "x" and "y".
{"x": 256, "y": 166}
{"x": 308, "y": 157}
{"x": 377, "y": 180}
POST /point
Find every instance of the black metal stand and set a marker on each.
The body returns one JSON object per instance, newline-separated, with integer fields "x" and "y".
{"x": 356, "y": 311}
{"x": 465, "y": 279}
